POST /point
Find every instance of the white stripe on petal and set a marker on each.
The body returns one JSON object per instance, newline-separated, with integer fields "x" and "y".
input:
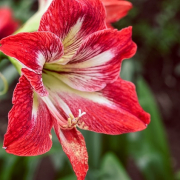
{"x": 53, "y": 110}
{"x": 100, "y": 59}
{"x": 72, "y": 42}
{"x": 35, "y": 106}
{"x": 72, "y": 35}
{"x": 40, "y": 59}
{"x": 56, "y": 86}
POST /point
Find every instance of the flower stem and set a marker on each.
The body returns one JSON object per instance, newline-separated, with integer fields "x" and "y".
{"x": 16, "y": 64}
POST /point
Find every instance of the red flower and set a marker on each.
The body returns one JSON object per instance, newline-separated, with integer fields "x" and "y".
{"x": 8, "y": 25}
{"x": 116, "y": 9}
{"x": 70, "y": 78}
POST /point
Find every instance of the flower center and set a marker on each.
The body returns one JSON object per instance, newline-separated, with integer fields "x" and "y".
{"x": 72, "y": 121}
{"x": 56, "y": 103}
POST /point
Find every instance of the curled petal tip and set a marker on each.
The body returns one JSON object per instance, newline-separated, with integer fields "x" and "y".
{"x": 129, "y": 28}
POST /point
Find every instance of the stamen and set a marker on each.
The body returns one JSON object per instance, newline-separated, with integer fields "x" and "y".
{"x": 72, "y": 121}
{"x": 69, "y": 122}
{"x": 71, "y": 116}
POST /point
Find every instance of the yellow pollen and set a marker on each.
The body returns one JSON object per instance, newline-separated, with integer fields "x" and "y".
{"x": 71, "y": 116}
{"x": 69, "y": 122}
{"x": 73, "y": 122}
{"x": 85, "y": 127}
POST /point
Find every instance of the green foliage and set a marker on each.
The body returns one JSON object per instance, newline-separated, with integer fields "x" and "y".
{"x": 112, "y": 169}
{"x": 20, "y": 7}
{"x": 149, "y": 148}
{"x": 9, "y": 73}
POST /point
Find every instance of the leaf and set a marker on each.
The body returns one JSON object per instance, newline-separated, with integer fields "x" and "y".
{"x": 177, "y": 175}
{"x": 3, "y": 63}
{"x": 94, "y": 147}
{"x": 10, "y": 75}
{"x": 32, "y": 164}
{"x": 128, "y": 69}
{"x": 71, "y": 177}
{"x": 149, "y": 148}
{"x": 112, "y": 169}
{"x": 8, "y": 164}
{"x": 58, "y": 159}
{"x": 116, "y": 144}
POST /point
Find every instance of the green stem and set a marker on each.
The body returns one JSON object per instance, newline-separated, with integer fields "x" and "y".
{"x": 5, "y": 85}
{"x": 16, "y": 64}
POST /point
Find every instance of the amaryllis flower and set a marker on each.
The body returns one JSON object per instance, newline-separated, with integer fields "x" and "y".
{"x": 7, "y": 24}
{"x": 116, "y": 9}
{"x": 70, "y": 79}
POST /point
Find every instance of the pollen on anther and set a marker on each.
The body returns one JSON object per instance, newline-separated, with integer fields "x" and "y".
{"x": 85, "y": 127}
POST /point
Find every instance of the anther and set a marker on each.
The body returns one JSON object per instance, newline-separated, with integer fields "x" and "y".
{"x": 72, "y": 121}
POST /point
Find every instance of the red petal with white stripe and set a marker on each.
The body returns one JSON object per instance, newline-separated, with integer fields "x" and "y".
{"x": 98, "y": 60}
{"x": 29, "y": 126}
{"x": 33, "y": 49}
{"x": 113, "y": 110}
{"x": 72, "y": 21}
{"x": 36, "y": 81}
{"x": 121, "y": 113}
{"x": 74, "y": 146}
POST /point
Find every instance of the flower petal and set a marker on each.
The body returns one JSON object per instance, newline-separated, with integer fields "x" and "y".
{"x": 116, "y": 9}
{"x": 113, "y": 110}
{"x": 33, "y": 49}
{"x": 74, "y": 146}
{"x": 98, "y": 60}
{"x": 36, "y": 81}
{"x": 116, "y": 111}
{"x": 29, "y": 126}
{"x": 72, "y": 21}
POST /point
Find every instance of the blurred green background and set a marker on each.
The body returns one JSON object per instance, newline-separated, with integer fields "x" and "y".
{"x": 153, "y": 154}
